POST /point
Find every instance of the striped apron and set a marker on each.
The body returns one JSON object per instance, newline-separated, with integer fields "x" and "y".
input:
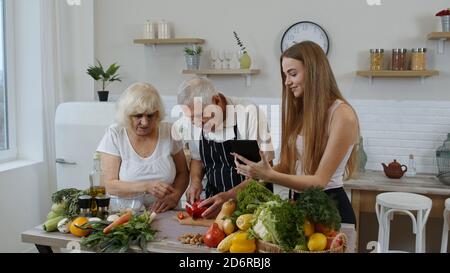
{"x": 220, "y": 170}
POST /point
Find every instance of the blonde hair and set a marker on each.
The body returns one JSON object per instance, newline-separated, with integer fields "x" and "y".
{"x": 308, "y": 114}
{"x": 138, "y": 98}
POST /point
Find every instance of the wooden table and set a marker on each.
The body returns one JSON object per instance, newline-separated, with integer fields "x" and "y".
{"x": 369, "y": 184}
{"x": 166, "y": 240}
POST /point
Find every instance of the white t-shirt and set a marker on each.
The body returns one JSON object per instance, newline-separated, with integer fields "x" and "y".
{"x": 134, "y": 168}
{"x": 248, "y": 127}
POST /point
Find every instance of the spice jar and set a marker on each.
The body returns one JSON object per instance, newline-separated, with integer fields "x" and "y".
{"x": 376, "y": 59}
{"x": 102, "y": 206}
{"x": 84, "y": 203}
{"x": 399, "y": 59}
{"x": 418, "y": 59}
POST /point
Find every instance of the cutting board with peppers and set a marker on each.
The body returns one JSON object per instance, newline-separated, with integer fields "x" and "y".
{"x": 188, "y": 220}
{"x": 193, "y": 215}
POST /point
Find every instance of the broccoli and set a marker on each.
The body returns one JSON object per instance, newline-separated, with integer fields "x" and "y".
{"x": 253, "y": 195}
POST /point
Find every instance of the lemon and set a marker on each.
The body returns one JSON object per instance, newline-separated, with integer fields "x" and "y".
{"x": 317, "y": 242}
{"x": 244, "y": 221}
{"x": 308, "y": 228}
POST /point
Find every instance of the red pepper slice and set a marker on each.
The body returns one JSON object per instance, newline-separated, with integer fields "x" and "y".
{"x": 180, "y": 215}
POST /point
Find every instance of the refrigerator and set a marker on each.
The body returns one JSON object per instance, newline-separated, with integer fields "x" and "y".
{"x": 79, "y": 127}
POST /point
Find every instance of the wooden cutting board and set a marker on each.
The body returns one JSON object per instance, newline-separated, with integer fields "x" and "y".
{"x": 187, "y": 220}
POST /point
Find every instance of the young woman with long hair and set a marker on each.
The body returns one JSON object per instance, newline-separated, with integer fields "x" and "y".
{"x": 319, "y": 130}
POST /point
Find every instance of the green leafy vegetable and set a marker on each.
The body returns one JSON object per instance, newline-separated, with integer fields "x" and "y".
{"x": 253, "y": 195}
{"x": 280, "y": 223}
{"x": 70, "y": 197}
{"x": 319, "y": 208}
{"x": 136, "y": 232}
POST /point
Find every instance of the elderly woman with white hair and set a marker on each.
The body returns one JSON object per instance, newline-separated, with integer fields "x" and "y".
{"x": 139, "y": 155}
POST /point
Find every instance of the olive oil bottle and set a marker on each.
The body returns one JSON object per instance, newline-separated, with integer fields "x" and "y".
{"x": 97, "y": 187}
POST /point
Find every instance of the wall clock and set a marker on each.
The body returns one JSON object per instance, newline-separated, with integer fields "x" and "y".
{"x": 305, "y": 31}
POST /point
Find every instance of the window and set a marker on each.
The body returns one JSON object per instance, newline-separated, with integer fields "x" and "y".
{"x": 7, "y": 134}
{"x": 3, "y": 105}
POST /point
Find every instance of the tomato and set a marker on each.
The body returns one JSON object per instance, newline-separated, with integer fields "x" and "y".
{"x": 320, "y": 228}
{"x": 213, "y": 236}
{"x": 180, "y": 215}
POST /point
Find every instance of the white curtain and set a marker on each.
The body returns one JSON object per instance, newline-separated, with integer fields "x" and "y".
{"x": 51, "y": 79}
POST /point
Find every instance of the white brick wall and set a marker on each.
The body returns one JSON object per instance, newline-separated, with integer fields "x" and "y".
{"x": 395, "y": 129}
{"x": 391, "y": 130}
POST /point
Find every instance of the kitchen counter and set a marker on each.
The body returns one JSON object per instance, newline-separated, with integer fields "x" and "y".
{"x": 166, "y": 239}
{"x": 369, "y": 184}
{"x": 378, "y": 181}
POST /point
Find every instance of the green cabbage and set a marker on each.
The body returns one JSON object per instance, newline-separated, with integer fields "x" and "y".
{"x": 279, "y": 222}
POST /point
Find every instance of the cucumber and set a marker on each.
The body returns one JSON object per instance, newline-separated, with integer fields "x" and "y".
{"x": 52, "y": 224}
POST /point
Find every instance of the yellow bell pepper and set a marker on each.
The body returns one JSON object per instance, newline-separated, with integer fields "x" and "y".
{"x": 241, "y": 244}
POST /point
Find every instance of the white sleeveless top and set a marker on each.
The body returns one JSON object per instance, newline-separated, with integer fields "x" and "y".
{"x": 337, "y": 179}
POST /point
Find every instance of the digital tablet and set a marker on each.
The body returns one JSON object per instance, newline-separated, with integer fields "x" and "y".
{"x": 246, "y": 148}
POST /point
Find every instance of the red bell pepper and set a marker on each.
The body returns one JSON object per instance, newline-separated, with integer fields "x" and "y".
{"x": 195, "y": 211}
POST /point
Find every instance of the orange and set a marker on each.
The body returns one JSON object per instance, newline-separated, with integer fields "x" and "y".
{"x": 308, "y": 228}
{"x": 317, "y": 242}
{"x": 76, "y": 230}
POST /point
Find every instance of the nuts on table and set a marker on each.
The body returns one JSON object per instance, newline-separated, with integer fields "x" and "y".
{"x": 192, "y": 239}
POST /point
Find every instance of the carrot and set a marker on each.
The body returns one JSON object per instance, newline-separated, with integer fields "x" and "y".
{"x": 119, "y": 221}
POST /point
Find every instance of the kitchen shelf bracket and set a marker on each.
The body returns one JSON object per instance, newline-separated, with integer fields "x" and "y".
{"x": 441, "y": 45}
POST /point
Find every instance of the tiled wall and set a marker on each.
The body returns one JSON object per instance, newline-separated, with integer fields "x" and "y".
{"x": 390, "y": 129}
{"x": 395, "y": 129}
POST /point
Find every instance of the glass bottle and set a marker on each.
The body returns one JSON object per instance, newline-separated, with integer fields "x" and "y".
{"x": 411, "y": 166}
{"x": 97, "y": 187}
{"x": 443, "y": 157}
{"x": 362, "y": 156}
{"x": 376, "y": 59}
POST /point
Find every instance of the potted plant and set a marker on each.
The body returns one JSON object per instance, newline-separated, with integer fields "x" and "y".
{"x": 244, "y": 59}
{"x": 445, "y": 19}
{"x": 193, "y": 56}
{"x": 98, "y": 73}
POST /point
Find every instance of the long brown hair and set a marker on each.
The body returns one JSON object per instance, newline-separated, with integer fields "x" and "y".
{"x": 308, "y": 114}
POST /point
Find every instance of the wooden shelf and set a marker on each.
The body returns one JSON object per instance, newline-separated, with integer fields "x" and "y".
{"x": 230, "y": 72}
{"x": 173, "y": 41}
{"x": 397, "y": 74}
{"x": 223, "y": 71}
{"x": 441, "y": 37}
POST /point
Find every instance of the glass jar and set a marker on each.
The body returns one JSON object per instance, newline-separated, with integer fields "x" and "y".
{"x": 399, "y": 59}
{"x": 85, "y": 203}
{"x": 102, "y": 206}
{"x": 418, "y": 59}
{"x": 376, "y": 59}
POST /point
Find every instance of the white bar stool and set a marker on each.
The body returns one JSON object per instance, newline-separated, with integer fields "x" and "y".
{"x": 446, "y": 227}
{"x": 389, "y": 203}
